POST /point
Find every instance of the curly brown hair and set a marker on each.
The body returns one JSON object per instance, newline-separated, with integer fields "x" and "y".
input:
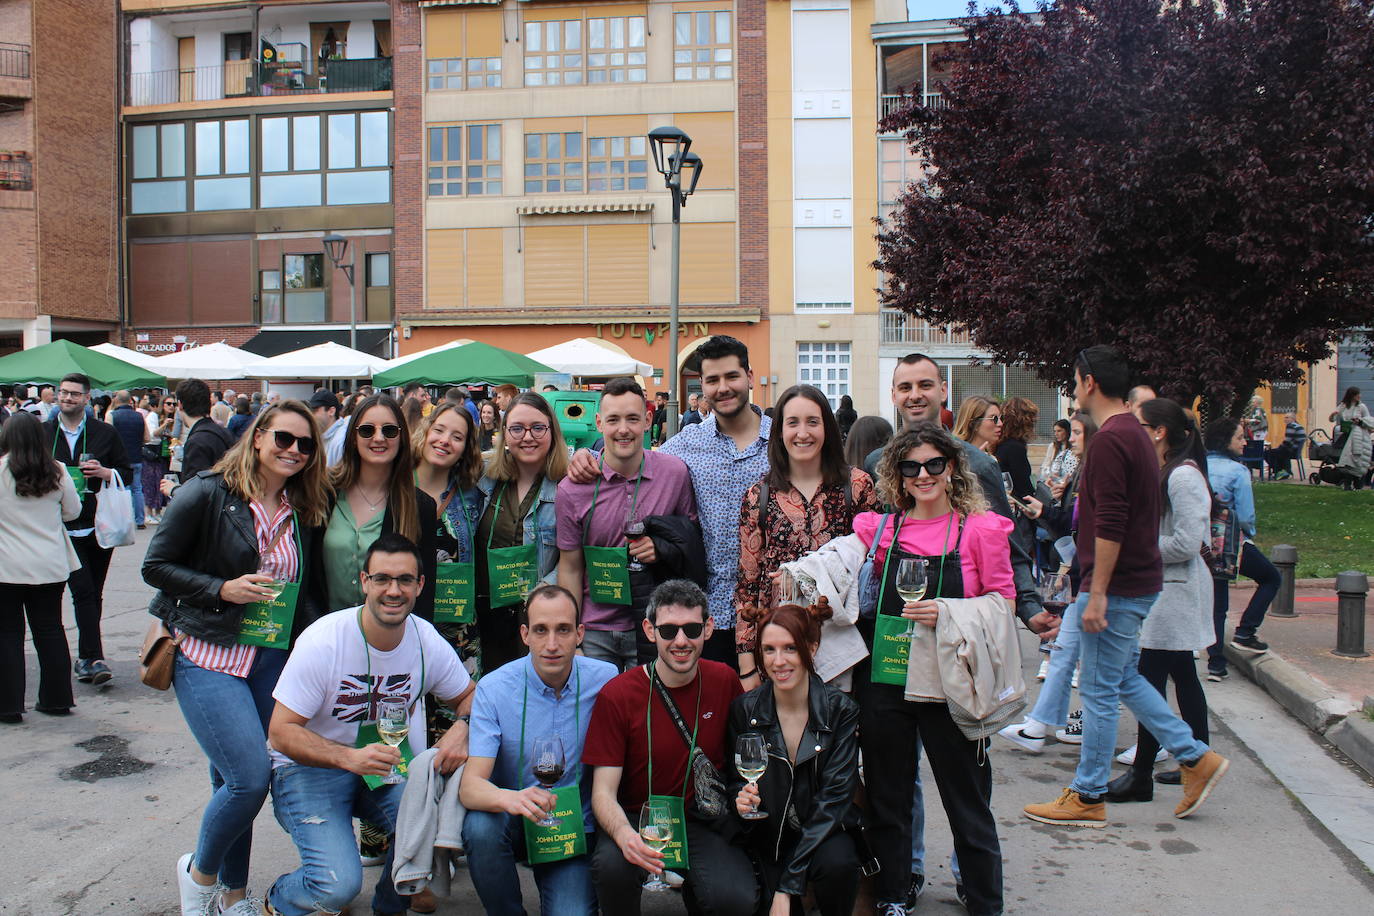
{"x": 965, "y": 494}
{"x": 1018, "y": 418}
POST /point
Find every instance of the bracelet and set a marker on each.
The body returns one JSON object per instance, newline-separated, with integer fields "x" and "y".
{"x": 465, "y": 718}
{"x": 749, "y": 673}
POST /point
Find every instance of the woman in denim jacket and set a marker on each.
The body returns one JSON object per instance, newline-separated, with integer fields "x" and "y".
{"x": 518, "y": 488}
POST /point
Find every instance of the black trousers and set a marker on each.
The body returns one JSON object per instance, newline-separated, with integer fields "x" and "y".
{"x": 42, "y": 604}
{"x": 888, "y": 729}
{"x": 833, "y": 876}
{"x": 1157, "y": 666}
{"x": 498, "y": 630}
{"x": 88, "y": 594}
{"x": 721, "y": 881}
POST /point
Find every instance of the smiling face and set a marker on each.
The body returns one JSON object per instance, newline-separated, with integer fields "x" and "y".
{"x": 553, "y": 635}
{"x": 622, "y": 419}
{"x": 725, "y": 384}
{"x": 917, "y": 392}
{"x": 782, "y": 661}
{"x": 390, "y": 604}
{"x": 527, "y": 450}
{"x": 489, "y": 415}
{"x": 274, "y": 460}
{"x": 803, "y": 429}
{"x": 930, "y": 493}
{"x": 378, "y": 449}
{"x": 446, "y": 440}
{"x": 679, "y": 654}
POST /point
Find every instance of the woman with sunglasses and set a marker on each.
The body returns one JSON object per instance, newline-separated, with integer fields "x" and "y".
{"x": 939, "y": 516}
{"x": 228, "y": 562}
{"x": 517, "y": 535}
{"x": 809, "y": 495}
{"x": 157, "y": 453}
{"x": 979, "y": 422}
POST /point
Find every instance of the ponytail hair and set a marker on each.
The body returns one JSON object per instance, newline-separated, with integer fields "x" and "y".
{"x": 1181, "y": 435}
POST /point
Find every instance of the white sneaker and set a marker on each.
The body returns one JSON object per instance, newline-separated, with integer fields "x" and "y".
{"x": 1074, "y": 683}
{"x": 1016, "y": 734}
{"x": 1044, "y": 670}
{"x": 1073, "y": 733}
{"x": 248, "y": 906}
{"x": 1127, "y": 757}
{"x": 195, "y": 898}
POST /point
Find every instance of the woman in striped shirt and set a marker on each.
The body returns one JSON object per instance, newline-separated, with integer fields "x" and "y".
{"x": 229, "y": 541}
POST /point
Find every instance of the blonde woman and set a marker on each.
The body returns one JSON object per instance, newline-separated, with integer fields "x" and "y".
{"x": 979, "y": 422}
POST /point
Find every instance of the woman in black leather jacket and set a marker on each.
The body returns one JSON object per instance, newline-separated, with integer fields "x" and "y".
{"x": 811, "y": 833}
{"x": 225, "y": 537}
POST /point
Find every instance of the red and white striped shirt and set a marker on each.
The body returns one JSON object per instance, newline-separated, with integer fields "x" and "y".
{"x": 282, "y": 562}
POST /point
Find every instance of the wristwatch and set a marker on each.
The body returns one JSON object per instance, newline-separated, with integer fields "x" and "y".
{"x": 465, "y": 718}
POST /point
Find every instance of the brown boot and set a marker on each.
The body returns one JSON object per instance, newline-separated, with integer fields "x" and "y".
{"x": 1199, "y": 778}
{"x": 1069, "y": 810}
{"x": 424, "y": 901}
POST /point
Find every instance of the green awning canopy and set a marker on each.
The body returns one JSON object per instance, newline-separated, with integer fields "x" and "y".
{"x": 50, "y": 362}
{"x": 471, "y": 364}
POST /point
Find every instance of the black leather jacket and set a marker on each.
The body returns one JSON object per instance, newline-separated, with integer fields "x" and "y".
{"x": 206, "y": 537}
{"x": 819, "y": 786}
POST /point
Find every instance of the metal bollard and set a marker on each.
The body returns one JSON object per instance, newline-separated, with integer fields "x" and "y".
{"x": 1351, "y": 589}
{"x": 1285, "y": 559}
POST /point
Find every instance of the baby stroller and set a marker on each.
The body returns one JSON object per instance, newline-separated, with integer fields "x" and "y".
{"x": 1324, "y": 453}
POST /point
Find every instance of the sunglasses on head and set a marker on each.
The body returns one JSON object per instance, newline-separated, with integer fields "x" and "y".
{"x": 368, "y": 430}
{"x": 304, "y": 444}
{"x": 668, "y": 631}
{"x": 934, "y": 467}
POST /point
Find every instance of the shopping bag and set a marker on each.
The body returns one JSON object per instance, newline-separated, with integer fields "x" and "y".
{"x": 114, "y": 514}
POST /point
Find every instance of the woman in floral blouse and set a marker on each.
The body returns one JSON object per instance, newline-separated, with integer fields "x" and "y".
{"x": 812, "y": 496}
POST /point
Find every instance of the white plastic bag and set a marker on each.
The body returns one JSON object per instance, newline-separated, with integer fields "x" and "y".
{"x": 114, "y": 514}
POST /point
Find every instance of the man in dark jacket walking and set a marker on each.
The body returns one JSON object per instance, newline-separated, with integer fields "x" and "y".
{"x": 207, "y": 441}
{"x": 133, "y": 432}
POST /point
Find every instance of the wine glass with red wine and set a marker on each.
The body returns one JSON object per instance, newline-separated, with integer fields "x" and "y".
{"x": 1056, "y": 591}
{"x": 634, "y": 529}
{"x": 546, "y": 762}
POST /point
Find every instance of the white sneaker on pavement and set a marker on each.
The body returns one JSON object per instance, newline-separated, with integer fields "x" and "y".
{"x": 1017, "y": 735}
{"x": 1044, "y": 670}
{"x": 1127, "y": 757}
{"x": 196, "y": 899}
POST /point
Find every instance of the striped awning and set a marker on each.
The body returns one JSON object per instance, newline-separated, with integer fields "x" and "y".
{"x": 602, "y": 207}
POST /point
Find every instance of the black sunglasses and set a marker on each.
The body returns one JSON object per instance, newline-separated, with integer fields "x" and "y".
{"x": 934, "y": 467}
{"x": 368, "y": 430}
{"x": 304, "y": 444}
{"x": 668, "y": 631}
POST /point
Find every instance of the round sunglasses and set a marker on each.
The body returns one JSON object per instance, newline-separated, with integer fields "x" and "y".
{"x": 368, "y": 430}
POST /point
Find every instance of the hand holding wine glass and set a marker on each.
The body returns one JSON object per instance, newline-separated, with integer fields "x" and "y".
{"x": 911, "y": 585}
{"x": 634, "y": 530}
{"x": 393, "y": 724}
{"x": 656, "y": 831}
{"x": 751, "y": 760}
{"x": 547, "y": 763}
{"x": 1056, "y": 591}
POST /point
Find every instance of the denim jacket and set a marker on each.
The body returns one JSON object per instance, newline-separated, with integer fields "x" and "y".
{"x": 540, "y": 523}
{"x": 1231, "y": 483}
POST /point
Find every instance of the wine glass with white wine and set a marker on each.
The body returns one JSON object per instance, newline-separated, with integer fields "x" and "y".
{"x": 393, "y": 724}
{"x": 656, "y": 830}
{"x": 911, "y": 585}
{"x": 751, "y": 759}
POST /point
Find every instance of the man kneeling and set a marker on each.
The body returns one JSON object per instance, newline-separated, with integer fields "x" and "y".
{"x": 329, "y": 762}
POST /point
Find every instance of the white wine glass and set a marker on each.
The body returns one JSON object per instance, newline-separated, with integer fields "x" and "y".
{"x": 911, "y": 585}
{"x": 547, "y": 763}
{"x": 656, "y": 830}
{"x": 751, "y": 760}
{"x": 393, "y": 724}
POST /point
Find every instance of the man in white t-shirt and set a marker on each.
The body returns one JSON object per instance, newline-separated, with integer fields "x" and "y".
{"x": 329, "y": 691}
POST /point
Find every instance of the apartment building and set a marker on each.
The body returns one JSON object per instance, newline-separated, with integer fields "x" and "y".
{"x": 58, "y": 176}
{"x": 248, "y": 132}
{"x": 539, "y": 217}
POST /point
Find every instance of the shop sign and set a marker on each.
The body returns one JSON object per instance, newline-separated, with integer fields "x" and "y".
{"x": 649, "y": 332}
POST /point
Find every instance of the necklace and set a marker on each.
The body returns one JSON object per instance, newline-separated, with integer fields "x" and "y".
{"x": 374, "y": 506}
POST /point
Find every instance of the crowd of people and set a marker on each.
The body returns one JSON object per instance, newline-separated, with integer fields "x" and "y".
{"x": 679, "y": 661}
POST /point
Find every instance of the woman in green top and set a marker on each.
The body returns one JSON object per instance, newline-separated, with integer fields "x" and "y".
{"x": 518, "y": 486}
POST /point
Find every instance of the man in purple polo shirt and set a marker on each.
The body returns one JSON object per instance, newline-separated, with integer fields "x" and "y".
{"x": 605, "y": 559}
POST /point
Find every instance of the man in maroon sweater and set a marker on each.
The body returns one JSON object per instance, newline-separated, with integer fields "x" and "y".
{"x": 1118, "y": 553}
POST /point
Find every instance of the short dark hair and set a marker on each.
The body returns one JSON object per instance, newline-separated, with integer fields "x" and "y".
{"x": 194, "y": 397}
{"x": 618, "y": 386}
{"x": 1107, "y": 367}
{"x": 661, "y": 396}
{"x": 912, "y": 359}
{"x": 391, "y": 542}
{"x": 548, "y": 590}
{"x": 678, "y": 592}
{"x": 456, "y": 395}
{"x": 411, "y": 388}
{"x": 75, "y": 377}
{"x": 718, "y": 347}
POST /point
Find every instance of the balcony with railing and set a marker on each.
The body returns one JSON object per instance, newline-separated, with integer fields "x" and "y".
{"x": 254, "y": 79}
{"x": 888, "y": 104}
{"x": 901, "y": 329}
{"x": 16, "y": 84}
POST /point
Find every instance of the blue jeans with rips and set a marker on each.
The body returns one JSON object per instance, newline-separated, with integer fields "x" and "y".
{"x": 1052, "y": 705}
{"x": 317, "y": 806}
{"x": 491, "y": 840}
{"x": 1110, "y": 672}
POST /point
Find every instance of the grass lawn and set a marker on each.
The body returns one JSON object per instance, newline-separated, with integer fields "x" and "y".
{"x": 1332, "y": 529}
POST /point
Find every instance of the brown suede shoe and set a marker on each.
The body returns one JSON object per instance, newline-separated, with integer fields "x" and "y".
{"x": 1199, "y": 778}
{"x": 1069, "y": 810}
{"x": 424, "y": 901}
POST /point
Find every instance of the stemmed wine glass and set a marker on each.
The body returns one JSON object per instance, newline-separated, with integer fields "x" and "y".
{"x": 634, "y": 528}
{"x": 911, "y": 585}
{"x": 751, "y": 759}
{"x": 546, "y": 762}
{"x": 656, "y": 830}
{"x": 393, "y": 724}
{"x": 1056, "y": 591}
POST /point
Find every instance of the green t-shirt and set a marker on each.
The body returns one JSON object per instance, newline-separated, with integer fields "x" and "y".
{"x": 345, "y": 544}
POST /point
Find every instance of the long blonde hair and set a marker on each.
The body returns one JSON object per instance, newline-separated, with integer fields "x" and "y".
{"x": 401, "y": 489}
{"x": 502, "y": 465}
{"x": 469, "y": 467}
{"x": 965, "y": 493}
{"x": 307, "y": 490}
{"x": 970, "y": 412}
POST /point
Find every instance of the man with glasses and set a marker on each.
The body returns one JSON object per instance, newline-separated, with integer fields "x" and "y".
{"x": 329, "y": 762}
{"x": 601, "y": 560}
{"x": 649, "y": 725}
{"x": 92, "y": 453}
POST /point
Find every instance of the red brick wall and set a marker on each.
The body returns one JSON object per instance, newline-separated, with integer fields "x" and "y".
{"x": 753, "y": 155}
{"x": 407, "y": 86}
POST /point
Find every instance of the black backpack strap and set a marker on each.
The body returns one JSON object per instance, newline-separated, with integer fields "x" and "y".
{"x": 763, "y": 513}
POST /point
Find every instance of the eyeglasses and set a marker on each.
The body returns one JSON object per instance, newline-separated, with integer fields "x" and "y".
{"x": 668, "y": 631}
{"x": 368, "y": 430}
{"x": 537, "y": 431}
{"x": 304, "y": 444}
{"x": 382, "y": 580}
{"x": 934, "y": 467}
{"x": 997, "y": 419}
{"x": 64, "y": 393}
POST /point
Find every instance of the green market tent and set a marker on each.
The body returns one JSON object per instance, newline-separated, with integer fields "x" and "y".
{"x": 50, "y": 362}
{"x": 470, "y": 364}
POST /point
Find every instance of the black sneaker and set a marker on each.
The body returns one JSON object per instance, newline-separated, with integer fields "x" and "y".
{"x": 1169, "y": 778}
{"x": 1249, "y": 644}
{"x": 1216, "y": 675}
{"x": 92, "y": 671}
{"x": 914, "y": 891}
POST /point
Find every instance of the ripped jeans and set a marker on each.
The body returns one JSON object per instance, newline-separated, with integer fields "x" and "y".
{"x": 317, "y": 806}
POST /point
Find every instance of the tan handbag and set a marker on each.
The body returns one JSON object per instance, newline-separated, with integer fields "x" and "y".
{"x": 157, "y": 655}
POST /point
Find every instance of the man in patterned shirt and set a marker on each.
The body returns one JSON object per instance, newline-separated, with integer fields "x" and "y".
{"x": 727, "y": 452}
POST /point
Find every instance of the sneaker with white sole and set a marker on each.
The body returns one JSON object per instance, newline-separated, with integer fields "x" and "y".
{"x": 248, "y": 906}
{"x": 1016, "y": 734}
{"x": 1072, "y": 733}
{"x": 196, "y": 899}
{"x": 1044, "y": 670}
{"x": 1127, "y": 757}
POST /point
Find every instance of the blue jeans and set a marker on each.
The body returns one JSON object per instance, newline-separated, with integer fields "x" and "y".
{"x": 491, "y": 840}
{"x": 136, "y": 491}
{"x": 317, "y": 806}
{"x": 1110, "y": 671}
{"x": 228, "y": 716}
{"x": 1052, "y": 705}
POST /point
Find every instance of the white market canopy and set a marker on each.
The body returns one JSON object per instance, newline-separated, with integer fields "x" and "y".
{"x": 326, "y": 360}
{"x": 212, "y": 361}
{"x": 590, "y": 358}
{"x": 402, "y": 360}
{"x": 142, "y": 360}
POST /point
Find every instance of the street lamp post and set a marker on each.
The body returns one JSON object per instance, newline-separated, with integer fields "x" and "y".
{"x": 336, "y": 246}
{"x": 670, "y": 147}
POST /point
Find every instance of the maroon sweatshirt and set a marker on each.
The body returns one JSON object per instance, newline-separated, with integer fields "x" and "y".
{"x": 1118, "y": 500}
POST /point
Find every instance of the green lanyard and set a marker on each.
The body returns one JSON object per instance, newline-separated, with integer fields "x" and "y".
{"x": 496, "y": 511}
{"x": 649, "y": 728}
{"x": 577, "y": 722}
{"x": 891, "y": 548}
{"x": 371, "y": 687}
{"x": 596, "y": 491}
{"x": 62, "y": 432}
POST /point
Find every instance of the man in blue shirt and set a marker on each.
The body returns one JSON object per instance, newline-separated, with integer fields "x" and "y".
{"x": 549, "y": 692}
{"x": 133, "y": 432}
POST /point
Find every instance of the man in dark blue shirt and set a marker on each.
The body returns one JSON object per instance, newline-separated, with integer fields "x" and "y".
{"x": 133, "y": 432}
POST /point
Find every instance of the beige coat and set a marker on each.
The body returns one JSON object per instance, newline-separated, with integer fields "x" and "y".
{"x": 34, "y": 547}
